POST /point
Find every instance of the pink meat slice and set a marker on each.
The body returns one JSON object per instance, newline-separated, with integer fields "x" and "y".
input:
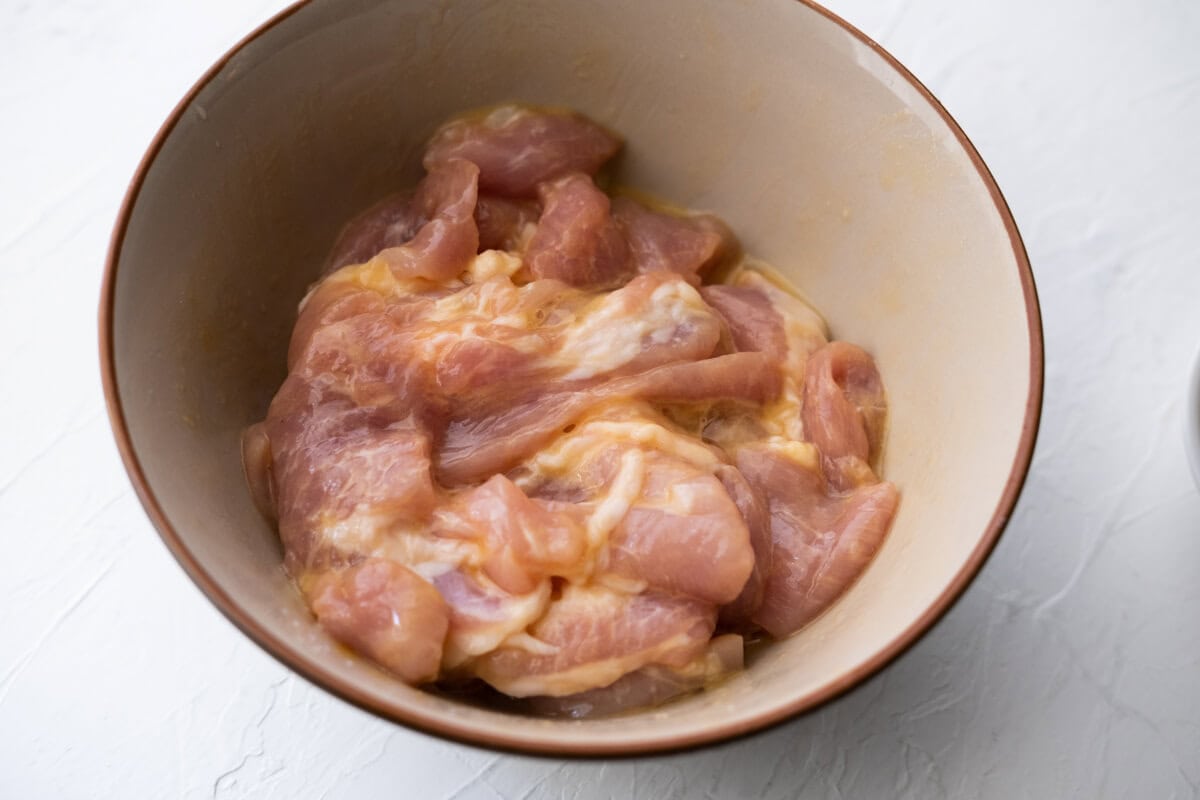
{"x": 822, "y": 540}
{"x": 328, "y": 303}
{"x": 389, "y": 223}
{"x": 498, "y": 368}
{"x": 331, "y": 302}
{"x": 328, "y": 458}
{"x": 752, "y": 506}
{"x": 351, "y": 427}
{"x": 689, "y": 338}
{"x": 518, "y": 148}
{"x": 502, "y": 222}
{"x": 738, "y": 377}
{"x": 844, "y": 410}
{"x": 386, "y": 612}
{"x": 475, "y": 447}
{"x": 526, "y": 541}
{"x": 469, "y": 367}
{"x": 595, "y": 636}
{"x": 481, "y": 609}
{"x": 500, "y": 363}
{"x": 370, "y": 360}
{"x": 647, "y": 687}
{"x": 698, "y": 546}
{"x": 396, "y": 219}
{"x": 576, "y": 240}
{"x": 446, "y": 243}
{"x": 689, "y": 245}
{"x": 754, "y": 323}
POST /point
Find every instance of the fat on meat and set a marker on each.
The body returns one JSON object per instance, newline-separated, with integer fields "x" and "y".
{"x": 591, "y": 636}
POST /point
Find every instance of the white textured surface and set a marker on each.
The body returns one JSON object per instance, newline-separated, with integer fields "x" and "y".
{"x": 1071, "y": 668}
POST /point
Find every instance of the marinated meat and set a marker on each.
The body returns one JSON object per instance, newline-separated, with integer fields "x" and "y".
{"x": 389, "y": 223}
{"x": 688, "y": 245}
{"x": 522, "y": 442}
{"x": 823, "y": 539}
{"x": 844, "y": 410}
{"x": 593, "y": 635}
{"x": 518, "y": 148}
{"x": 386, "y": 611}
{"x": 442, "y": 247}
{"x": 750, "y": 503}
{"x": 754, "y": 323}
{"x": 504, "y": 224}
{"x": 648, "y": 686}
{"x": 576, "y": 239}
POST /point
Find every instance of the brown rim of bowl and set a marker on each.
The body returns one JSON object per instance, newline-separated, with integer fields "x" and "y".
{"x": 298, "y": 662}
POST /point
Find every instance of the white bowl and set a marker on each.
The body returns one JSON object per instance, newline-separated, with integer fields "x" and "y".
{"x": 827, "y": 157}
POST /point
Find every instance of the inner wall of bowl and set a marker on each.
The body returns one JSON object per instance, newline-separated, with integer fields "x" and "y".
{"x": 825, "y": 161}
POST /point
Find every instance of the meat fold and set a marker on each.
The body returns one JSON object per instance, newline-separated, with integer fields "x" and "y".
{"x": 525, "y": 540}
{"x": 476, "y": 447}
{"x": 752, "y": 506}
{"x": 591, "y": 636}
{"x": 576, "y": 240}
{"x": 517, "y": 148}
{"x": 822, "y": 539}
{"x": 387, "y": 612}
{"x": 647, "y": 687}
{"x": 690, "y": 245}
{"x": 844, "y": 411}
{"x": 442, "y": 247}
{"x": 521, "y": 440}
{"x": 389, "y": 223}
{"x": 754, "y": 323}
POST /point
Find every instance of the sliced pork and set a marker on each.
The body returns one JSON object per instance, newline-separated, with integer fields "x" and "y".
{"x": 518, "y": 148}
{"x": 738, "y": 614}
{"x": 683, "y": 534}
{"x": 822, "y": 539}
{"x": 844, "y": 410}
{"x": 593, "y": 635}
{"x": 523, "y": 442}
{"x": 389, "y": 223}
{"x": 576, "y": 240}
{"x": 689, "y": 245}
{"x": 648, "y": 686}
{"x": 754, "y": 323}
{"x": 442, "y": 247}
{"x": 505, "y": 224}
{"x": 386, "y": 611}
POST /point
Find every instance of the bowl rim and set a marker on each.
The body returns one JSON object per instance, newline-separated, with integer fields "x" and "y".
{"x": 456, "y": 730}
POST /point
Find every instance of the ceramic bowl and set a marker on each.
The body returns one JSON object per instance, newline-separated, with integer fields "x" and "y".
{"x": 829, "y": 159}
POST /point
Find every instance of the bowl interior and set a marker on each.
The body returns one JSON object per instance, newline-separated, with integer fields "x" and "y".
{"x": 821, "y": 154}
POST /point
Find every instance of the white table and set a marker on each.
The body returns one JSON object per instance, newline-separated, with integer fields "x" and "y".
{"x": 1071, "y": 668}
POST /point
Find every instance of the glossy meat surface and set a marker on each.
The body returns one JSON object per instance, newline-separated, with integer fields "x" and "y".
{"x": 517, "y": 149}
{"x": 523, "y": 441}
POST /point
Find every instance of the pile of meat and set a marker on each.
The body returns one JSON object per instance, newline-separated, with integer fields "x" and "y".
{"x": 526, "y": 439}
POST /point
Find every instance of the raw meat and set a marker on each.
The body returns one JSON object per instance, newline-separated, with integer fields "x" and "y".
{"x": 522, "y": 442}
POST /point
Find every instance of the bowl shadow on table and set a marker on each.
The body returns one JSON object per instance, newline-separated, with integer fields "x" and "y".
{"x": 913, "y": 721}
